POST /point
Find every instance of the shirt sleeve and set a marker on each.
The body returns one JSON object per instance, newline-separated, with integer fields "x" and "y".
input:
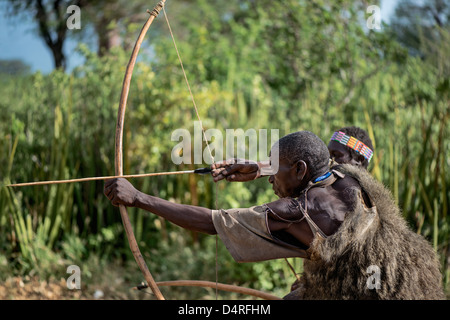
{"x": 246, "y": 235}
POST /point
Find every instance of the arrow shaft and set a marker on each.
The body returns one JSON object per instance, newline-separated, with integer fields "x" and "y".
{"x": 38, "y": 183}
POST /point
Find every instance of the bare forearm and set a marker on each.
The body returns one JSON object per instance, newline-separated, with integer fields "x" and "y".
{"x": 186, "y": 216}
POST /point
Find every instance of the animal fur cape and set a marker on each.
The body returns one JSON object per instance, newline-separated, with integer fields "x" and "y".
{"x": 375, "y": 239}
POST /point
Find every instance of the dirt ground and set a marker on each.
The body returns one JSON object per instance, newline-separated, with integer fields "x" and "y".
{"x": 18, "y": 288}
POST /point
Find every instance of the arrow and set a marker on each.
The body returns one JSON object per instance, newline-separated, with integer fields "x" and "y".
{"x": 38, "y": 183}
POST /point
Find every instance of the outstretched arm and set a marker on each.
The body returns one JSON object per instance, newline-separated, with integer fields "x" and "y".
{"x": 121, "y": 191}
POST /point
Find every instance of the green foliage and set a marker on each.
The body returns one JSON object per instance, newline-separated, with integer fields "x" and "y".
{"x": 291, "y": 65}
{"x": 14, "y": 67}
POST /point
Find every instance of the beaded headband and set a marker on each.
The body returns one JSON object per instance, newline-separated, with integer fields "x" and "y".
{"x": 353, "y": 143}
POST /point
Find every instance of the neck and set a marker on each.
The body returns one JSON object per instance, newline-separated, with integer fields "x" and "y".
{"x": 303, "y": 185}
{"x": 307, "y": 182}
{"x": 322, "y": 171}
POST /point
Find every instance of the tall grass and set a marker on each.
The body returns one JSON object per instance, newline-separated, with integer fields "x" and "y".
{"x": 61, "y": 126}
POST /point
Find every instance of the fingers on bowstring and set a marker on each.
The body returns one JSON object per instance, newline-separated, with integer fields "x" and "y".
{"x": 231, "y": 177}
{"x": 223, "y": 163}
{"x": 218, "y": 177}
{"x": 218, "y": 172}
{"x": 236, "y": 167}
{"x": 228, "y": 166}
{"x": 224, "y": 177}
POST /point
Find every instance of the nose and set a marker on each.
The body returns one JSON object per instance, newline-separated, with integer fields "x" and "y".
{"x": 270, "y": 179}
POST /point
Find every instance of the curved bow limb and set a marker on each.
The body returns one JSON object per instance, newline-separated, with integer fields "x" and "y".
{"x": 219, "y": 286}
{"x": 119, "y": 154}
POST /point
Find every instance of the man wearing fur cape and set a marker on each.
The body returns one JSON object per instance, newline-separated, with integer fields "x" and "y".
{"x": 355, "y": 243}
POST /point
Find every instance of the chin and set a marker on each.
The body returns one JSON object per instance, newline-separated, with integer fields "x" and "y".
{"x": 280, "y": 195}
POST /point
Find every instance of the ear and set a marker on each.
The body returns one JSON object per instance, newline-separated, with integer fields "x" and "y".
{"x": 301, "y": 169}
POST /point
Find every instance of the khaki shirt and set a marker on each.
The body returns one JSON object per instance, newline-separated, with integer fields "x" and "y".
{"x": 246, "y": 235}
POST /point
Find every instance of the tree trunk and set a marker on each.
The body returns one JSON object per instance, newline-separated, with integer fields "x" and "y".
{"x": 108, "y": 36}
{"x": 54, "y": 40}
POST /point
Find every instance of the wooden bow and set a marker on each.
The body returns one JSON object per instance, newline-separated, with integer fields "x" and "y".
{"x": 119, "y": 154}
{"x": 119, "y": 172}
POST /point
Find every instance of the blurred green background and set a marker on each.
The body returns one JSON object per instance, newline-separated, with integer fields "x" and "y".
{"x": 287, "y": 65}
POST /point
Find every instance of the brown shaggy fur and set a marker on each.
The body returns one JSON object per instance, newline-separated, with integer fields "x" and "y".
{"x": 337, "y": 268}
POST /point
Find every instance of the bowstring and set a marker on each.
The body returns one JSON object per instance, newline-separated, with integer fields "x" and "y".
{"x": 201, "y": 126}
{"x": 187, "y": 83}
